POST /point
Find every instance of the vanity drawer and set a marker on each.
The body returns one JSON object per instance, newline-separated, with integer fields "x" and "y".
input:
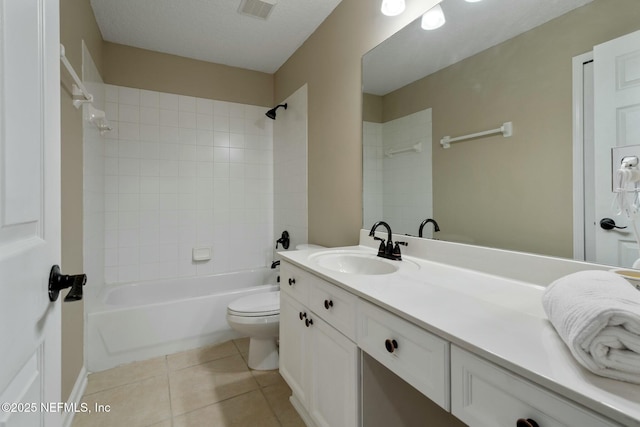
{"x": 335, "y": 306}
{"x": 296, "y": 282}
{"x": 485, "y": 395}
{"x": 415, "y": 355}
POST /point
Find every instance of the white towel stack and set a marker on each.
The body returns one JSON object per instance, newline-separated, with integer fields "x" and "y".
{"x": 597, "y": 314}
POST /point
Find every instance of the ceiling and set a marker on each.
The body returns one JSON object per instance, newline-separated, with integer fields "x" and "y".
{"x": 213, "y": 30}
{"x": 413, "y": 53}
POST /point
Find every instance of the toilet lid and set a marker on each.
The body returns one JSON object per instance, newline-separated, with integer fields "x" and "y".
{"x": 262, "y": 304}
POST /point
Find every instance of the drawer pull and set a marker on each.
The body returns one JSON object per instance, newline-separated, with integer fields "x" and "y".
{"x": 303, "y": 315}
{"x": 392, "y": 345}
{"x": 292, "y": 281}
{"x": 308, "y": 322}
{"x": 328, "y": 304}
{"x": 526, "y": 423}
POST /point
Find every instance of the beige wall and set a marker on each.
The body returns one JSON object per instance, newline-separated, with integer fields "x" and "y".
{"x": 76, "y": 23}
{"x": 371, "y": 108}
{"x": 513, "y": 193}
{"x": 330, "y": 63}
{"x": 144, "y": 69}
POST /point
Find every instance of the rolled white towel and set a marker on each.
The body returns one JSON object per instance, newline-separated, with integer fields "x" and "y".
{"x": 597, "y": 314}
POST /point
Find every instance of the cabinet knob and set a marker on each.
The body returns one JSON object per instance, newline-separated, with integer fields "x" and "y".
{"x": 292, "y": 281}
{"x": 526, "y": 423}
{"x": 328, "y": 304}
{"x": 392, "y": 345}
{"x": 308, "y": 322}
{"x": 302, "y": 315}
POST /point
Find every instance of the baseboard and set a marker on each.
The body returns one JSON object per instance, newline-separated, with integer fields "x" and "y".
{"x": 76, "y": 394}
{"x": 299, "y": 407}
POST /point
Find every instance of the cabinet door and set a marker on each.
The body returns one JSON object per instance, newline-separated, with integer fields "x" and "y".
{"x": 485, "y": 395}
{"x": 334, "y": 367}
{"x": 294, "y": 354}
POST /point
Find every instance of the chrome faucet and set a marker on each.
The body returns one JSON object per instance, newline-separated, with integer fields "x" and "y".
{"x": 387, "y": 250}
{"x": 425, "y": 222}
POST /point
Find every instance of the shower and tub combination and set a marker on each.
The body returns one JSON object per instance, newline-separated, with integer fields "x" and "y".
{"x": 138, "y": 321}
{"x": 145, "y": 301}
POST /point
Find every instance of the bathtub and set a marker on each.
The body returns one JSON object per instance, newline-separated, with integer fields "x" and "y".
{"x": 138, "y": 321}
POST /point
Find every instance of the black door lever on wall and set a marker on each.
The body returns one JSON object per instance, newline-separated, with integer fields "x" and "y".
{"x": 58, "y": 282}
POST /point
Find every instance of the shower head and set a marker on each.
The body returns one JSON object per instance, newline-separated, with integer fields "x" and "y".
{"x": 272, "y": 113}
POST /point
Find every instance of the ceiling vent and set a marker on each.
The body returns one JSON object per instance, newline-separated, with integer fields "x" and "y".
{"x": 257, "y": 8}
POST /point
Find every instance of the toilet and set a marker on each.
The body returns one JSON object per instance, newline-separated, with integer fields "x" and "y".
{"x": 258, "y": 317}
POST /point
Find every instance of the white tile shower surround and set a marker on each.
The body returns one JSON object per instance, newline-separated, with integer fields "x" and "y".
{"x": 290, "y": 168}
{"x": 407, "y": 183}
{"x": 182, "y": 172}
{"x": 372, "y": 172}
{"x": 399, "y": 188}
{"x": 93, "y": 180}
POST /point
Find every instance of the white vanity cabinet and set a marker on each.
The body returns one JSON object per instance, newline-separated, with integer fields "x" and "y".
{"x": 485, "y": 395}
{"x": 415, "y": 340}
{"x": 317, "y": 359}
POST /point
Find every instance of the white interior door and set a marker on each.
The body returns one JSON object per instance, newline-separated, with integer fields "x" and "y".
{"x": 616, "y": 123}
{"x": 29, "y": 211}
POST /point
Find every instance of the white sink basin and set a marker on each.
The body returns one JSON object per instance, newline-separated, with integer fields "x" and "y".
{"x": 355, "y": 263}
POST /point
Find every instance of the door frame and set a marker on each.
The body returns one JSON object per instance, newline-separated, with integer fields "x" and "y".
{"x": 580, "y": 234}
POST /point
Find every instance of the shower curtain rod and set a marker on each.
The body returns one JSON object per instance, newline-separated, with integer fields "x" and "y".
{"x": 78, "y": 89}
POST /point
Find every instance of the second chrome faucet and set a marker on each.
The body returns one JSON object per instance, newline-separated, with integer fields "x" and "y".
{"x": 388, "y": 250}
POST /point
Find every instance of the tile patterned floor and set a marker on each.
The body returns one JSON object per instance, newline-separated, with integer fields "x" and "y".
{"x": 209, "y": 386}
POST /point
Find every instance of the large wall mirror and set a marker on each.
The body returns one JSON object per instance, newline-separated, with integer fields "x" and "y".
{"x": 492, "y": 62}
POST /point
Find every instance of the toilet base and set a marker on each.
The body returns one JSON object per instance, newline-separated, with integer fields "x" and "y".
{"x": 263, "y": 354}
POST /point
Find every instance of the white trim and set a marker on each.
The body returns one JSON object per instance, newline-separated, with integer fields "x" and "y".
{"x": 76, "y": 395}
{"x": 299, "y": 407}
{"x": 578, "y": 155}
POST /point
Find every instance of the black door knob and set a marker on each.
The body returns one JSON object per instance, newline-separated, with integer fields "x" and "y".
{"x": 58, "y": 282}
{"x": 609, "y": 224}
{"x": 308, "y": 322}
{"x": 292, "y": 282}
{"x": 328, "y": 304}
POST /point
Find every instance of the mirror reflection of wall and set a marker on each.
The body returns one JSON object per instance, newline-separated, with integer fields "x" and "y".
{"x": 397, "y": 172}
{"x": 512, "y": 193}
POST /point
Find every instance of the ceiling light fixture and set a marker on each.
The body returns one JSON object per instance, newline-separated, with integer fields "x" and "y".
{"x": 433, "y": 18}
{"x": 392, "y": 7}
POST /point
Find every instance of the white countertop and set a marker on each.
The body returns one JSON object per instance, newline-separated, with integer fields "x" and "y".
{"x": 500, "y": 319}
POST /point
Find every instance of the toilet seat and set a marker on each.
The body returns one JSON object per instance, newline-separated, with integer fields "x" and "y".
{"x": 256, "y": 305}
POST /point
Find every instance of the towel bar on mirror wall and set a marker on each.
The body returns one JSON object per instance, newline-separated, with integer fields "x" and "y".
{"x": 506, "y": 130}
